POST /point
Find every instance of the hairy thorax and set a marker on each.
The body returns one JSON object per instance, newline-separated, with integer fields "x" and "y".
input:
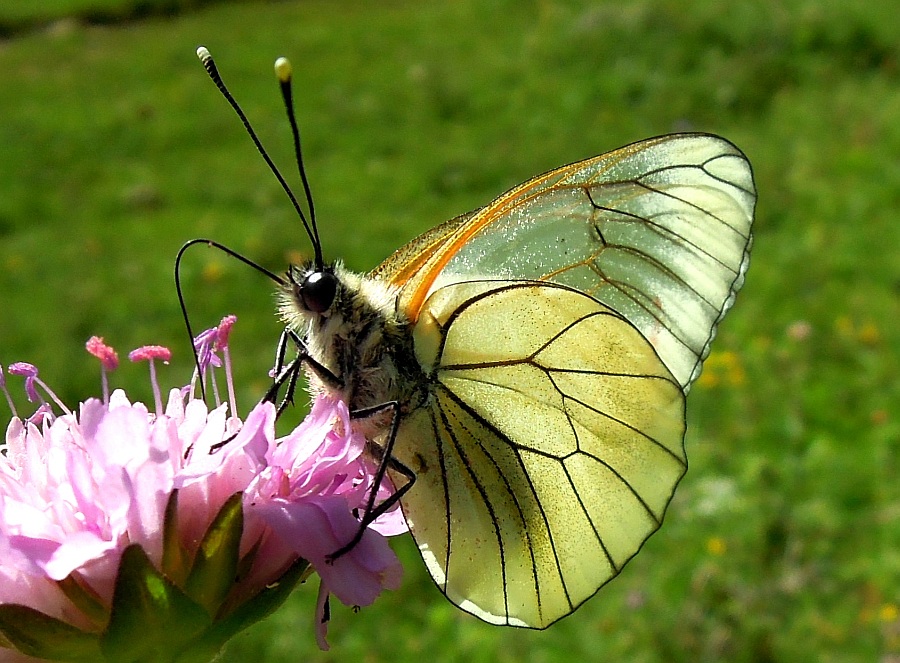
{"x": 363, "y": 341}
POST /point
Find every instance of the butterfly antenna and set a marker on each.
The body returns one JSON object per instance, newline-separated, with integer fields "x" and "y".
{"x": 184, "y": 312}
{"x": 284, "y": 71}
{"x": 210, "y": 65}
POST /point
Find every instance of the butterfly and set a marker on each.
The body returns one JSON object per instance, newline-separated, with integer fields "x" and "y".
{"x": 522, "y": 369}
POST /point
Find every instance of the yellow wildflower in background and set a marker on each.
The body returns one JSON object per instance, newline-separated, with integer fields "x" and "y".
{"x": 722, "y": 369}
{"x": 715, "y": 545}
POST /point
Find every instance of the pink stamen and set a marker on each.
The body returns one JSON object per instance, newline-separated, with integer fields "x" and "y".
{"x": 30, "y": 373}
{"x": 229, "y": 381}
{"x": 205, "y": 344}
{"x": 224, "y": 330}
{"x": 149, "y": 353}
{"x": 215, "y": 388}
{"x": 108, "y": 357}
{"x": 109, "y": 361}
{"x": 9, "y": 400}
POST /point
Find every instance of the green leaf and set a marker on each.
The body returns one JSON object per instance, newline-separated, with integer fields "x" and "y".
{"x": 36, "y": 634}
{"x": 152, "y": 619}
{"x": 214, "y": 570}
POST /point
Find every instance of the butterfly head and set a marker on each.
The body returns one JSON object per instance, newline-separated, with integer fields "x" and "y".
{"x": 312, "y": 288}
{"x": 312, "y": 296}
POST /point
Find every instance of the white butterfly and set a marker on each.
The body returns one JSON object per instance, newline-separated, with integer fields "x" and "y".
{"x": 540, "y": 350}
{"x": 529, "y": 363}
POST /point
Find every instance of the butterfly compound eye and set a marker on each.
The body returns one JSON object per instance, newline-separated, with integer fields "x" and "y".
{"x": 317, "y": 291}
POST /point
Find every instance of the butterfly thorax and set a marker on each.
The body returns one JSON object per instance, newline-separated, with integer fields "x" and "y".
{"x": 362, "y": 339}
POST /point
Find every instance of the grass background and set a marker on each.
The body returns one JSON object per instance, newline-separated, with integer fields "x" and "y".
{"x": 783, "y": 542}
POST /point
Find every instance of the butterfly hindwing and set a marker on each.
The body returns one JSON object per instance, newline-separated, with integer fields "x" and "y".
{"x": 547, "y": 452}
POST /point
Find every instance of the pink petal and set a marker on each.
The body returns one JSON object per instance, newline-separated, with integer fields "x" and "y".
{"x": 78, "y": 549}
{"x": 315, "y": 528}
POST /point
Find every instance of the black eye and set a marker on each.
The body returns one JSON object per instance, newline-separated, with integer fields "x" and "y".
{"x": 317, "y": 291}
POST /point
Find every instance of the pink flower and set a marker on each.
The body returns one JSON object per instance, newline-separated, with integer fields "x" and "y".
{"x": 81, "y": 492}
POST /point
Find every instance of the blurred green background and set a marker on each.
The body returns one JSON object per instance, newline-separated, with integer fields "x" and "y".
{"x": 783, "y": 541}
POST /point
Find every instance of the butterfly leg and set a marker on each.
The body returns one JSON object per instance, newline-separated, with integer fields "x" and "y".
{"x": 288, "y": 373}
{"x": 283, "y": 373}
{"x": 387, "y": 461}
{"x": 331, "y": 380}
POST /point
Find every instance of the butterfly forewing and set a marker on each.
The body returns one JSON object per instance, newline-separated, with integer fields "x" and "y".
{"x": 658, "y": 230}
{"x": 557, "y": 444}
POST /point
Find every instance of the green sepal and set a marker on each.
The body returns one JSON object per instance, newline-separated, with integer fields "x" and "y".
{"x": 151, "y": 618}
{"x": 245, "y": 564}
{"x": 257, "y": 608}
{"x": 214, "y": 570}
{"x": 36, "y": 634}
{"x": 265, "y": 602}
{"x": 173, "y": 555}
{"x": 84, "y": 598}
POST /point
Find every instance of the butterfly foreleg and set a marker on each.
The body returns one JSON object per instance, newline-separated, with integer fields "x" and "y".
{"x": 287, "y": 373}
{"x": 386, "y": 461}
{"x": 281, "y": 352}
{"x": 325, "y": 375}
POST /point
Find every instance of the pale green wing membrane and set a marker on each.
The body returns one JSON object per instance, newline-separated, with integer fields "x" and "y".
{"x": 547, "y": 453}
{"x": 659, "y": 231}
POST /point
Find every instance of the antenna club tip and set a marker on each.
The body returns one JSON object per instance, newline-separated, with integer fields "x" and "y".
{"x": 203, "y": 53}
{"x": 283, "y": 69}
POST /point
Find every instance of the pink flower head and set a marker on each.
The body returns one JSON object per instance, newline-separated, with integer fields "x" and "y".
{"x": 300, "y": 494}
{"x": 80, "y": 490}
{"x": 73, "y": 492}
{"x": 316, "y": 481}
